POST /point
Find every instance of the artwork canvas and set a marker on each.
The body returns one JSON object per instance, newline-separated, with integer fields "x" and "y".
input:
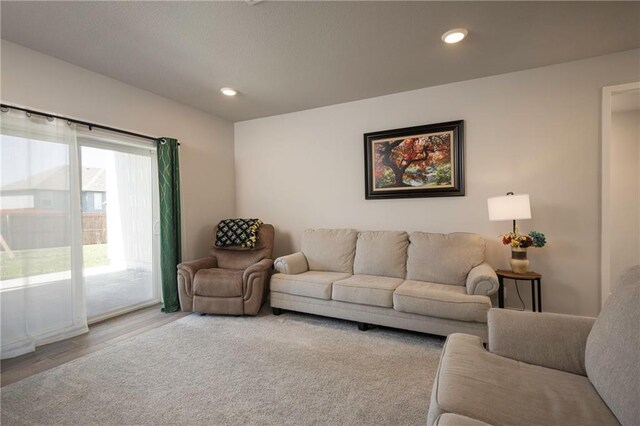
{"x": 422, "y": 161}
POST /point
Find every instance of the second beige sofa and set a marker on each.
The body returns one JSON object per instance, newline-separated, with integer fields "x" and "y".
{"x": 432, "y": 283}
{"x": 545, "y": 368}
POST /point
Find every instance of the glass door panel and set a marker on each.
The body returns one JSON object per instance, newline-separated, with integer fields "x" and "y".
{"x": 34, "y": 211}
{"x": 41, "y": 292}
{"x": 118, "y": 236}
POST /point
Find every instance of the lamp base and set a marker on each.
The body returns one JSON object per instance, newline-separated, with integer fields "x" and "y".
{"x": 519, "y": 262}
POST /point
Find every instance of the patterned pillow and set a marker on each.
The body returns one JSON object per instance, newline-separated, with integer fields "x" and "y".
{"x": 238, "y": 232}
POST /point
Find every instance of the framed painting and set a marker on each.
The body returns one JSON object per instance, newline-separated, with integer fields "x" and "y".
{"x": 421, "y": 161}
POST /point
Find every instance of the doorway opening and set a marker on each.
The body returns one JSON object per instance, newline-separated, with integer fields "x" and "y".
{"x": 620, "y": 182}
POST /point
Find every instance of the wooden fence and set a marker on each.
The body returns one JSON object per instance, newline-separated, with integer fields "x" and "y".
{"x": 94, "y": 228}
{"x": 25, "y": 229}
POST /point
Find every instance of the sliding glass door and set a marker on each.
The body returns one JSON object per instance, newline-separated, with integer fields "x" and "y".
{"x": 118, "y": 216}
{"x": 78, "y": 228}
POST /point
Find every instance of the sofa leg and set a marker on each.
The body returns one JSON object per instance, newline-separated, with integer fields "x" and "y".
{"x": 276, "y": 311}
{"x": 363, "y": 326}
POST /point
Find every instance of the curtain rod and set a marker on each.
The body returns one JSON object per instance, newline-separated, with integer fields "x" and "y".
{"x": 84, "y": 123}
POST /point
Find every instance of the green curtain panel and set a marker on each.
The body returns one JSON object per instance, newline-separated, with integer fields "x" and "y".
{"x": 170, "y": 241}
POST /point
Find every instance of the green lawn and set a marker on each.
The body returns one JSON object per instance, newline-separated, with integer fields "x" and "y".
{"x": 44, "y": 261}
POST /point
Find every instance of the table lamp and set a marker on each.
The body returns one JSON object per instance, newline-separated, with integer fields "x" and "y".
{"x": 509, "y": 207}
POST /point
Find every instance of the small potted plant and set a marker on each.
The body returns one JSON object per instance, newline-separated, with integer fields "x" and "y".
{"x": 519, "y": 244}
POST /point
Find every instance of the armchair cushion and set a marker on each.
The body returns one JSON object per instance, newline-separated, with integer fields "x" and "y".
{"x": 550, "y": 340}
{"x": 500, "y": 391}
{"x": 217, "y": 282}
{"x": 482, "y": 279}
{"x": 443, "y": 258}
{"x": 295, "y": 263}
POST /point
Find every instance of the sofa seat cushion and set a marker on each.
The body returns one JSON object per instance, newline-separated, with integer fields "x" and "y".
{"x": 366, "y": 290}
{"x": 476, "y": 383}
{"x": 440, "y": 300}
{"x": 316, "y": 284}
{"x": 217, "y": 282}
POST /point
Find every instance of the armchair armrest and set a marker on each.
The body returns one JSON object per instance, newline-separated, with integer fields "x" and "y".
{"x": 186, "y": 274}
{"x": 194, "y": 266}
{"x": 292, "y": 264}
{"x": 550, "y": 340}
{"x": 262, "y": 266}
{"x": 255, "y": 281}
{"x": 482, "y": 280}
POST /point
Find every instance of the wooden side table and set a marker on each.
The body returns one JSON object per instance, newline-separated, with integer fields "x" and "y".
{"x": 533, "y": 277}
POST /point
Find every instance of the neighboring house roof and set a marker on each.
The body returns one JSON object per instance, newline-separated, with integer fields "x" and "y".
{"x": 57, "y": 179}
{"x": 94, "y": 179}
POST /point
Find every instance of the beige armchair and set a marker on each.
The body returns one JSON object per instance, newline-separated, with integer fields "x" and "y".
{"x": 231, "y": 281}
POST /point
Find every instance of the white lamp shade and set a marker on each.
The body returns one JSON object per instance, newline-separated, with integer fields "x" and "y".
{"x": 509, "y": 207}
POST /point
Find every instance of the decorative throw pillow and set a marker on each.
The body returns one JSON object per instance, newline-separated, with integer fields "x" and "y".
{"x": 238, "y": 232}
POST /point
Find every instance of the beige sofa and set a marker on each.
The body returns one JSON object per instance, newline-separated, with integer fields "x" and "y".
{"x": 432, "y": 283}
{"x": 546, "y": 369}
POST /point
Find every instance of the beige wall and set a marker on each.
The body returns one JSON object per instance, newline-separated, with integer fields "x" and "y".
{"x": 41, "y": 82}
{"x": 535, "y": 132}
{"x": 625, "y": 191}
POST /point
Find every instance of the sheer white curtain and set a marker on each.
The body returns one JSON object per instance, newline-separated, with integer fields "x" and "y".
{"x": 42, "y": 296}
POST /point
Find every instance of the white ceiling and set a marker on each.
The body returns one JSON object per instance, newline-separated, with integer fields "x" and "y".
{"x": 290, "y": 56}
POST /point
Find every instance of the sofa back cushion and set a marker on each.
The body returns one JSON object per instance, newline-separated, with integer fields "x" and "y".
{"x": 381, "y": 253}
{"x": 611, "y": 354}
{"x": 330, "y": 250}
{"x": 443, "y": 258}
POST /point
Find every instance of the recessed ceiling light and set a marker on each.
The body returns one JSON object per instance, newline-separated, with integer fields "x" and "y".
{"x": 228, "y": 91}
{"x": 454, "y": 36}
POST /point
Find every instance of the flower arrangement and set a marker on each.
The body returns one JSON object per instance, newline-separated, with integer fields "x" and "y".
{"x": 517, "y": 240}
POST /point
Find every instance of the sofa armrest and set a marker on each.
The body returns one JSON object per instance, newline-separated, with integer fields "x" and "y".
{"x": 292, "y": 264}
{"x": 550, "y": 340}
{"x": 482, "y": 280}
{"x": 194, "y": 266}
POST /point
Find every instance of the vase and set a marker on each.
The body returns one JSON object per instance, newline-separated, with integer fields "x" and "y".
{"x": 519, "y": 261}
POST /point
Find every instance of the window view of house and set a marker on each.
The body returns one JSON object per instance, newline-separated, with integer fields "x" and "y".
{"x": 36, "y": 202}
{"x": 34, "y": 211}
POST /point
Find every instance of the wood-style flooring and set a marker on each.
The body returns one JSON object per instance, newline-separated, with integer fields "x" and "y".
{"x": 101, "y": 335}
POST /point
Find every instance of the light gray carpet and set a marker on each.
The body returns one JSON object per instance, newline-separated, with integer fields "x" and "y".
{"x": 292, "y": 369}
